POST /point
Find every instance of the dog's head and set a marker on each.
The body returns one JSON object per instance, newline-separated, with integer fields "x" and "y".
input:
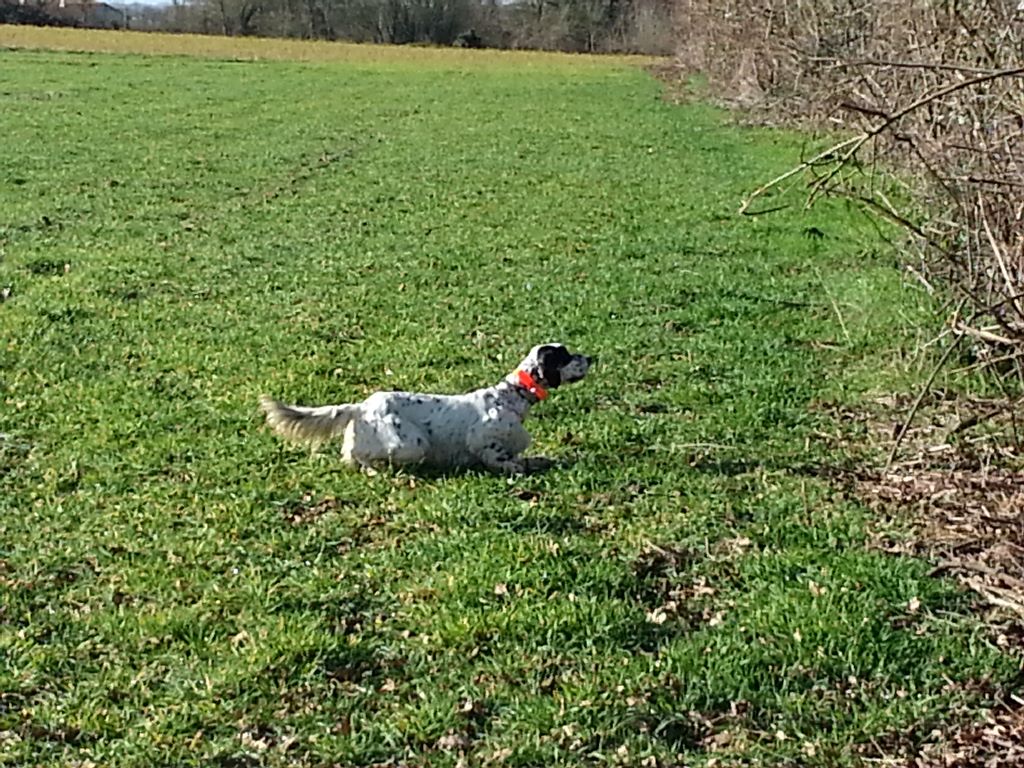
{"x": 552, "y": 365}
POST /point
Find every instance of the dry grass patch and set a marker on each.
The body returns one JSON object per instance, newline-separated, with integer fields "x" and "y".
{"x": 260, "y": 49}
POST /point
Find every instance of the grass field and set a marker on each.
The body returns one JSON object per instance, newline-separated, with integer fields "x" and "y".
{"x": 179, "y": 235}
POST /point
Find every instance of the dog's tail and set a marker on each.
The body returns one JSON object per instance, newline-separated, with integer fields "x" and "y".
{"x": 308, "y": 425}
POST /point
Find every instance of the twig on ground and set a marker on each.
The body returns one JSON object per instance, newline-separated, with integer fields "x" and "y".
{"x": 902, "y": 431}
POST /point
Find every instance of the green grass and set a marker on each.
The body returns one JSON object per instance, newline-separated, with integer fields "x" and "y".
{"x": 180, "y": 588}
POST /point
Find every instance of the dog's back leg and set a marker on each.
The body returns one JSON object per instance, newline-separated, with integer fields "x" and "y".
{"x": 387, "y": 439}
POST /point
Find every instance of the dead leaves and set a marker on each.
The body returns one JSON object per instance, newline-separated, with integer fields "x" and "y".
{"x": 972, "y": 522}
{"x": 963, "y": 496}
{"x": 662, "y": 562}
{"x": 473, "y": 713}
{"x": 671, "y": 593}
{"x": 259, "y": 739}
{"x": 993, "y": 740}
{"x": 307, "y": 510}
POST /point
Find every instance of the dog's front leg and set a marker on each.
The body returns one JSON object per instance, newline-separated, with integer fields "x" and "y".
{"x": 500, "y": 460}
{"x": 498, "y": 445}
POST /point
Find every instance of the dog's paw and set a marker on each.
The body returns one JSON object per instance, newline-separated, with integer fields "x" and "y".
{"x": 510, "y": 468}
{"x": 535, "y": 465}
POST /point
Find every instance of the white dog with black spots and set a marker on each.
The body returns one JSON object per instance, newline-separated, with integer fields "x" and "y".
{"x": 483, "y": 428}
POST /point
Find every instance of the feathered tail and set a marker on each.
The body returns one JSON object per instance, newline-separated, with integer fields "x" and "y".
{"x": 310, "y": 425}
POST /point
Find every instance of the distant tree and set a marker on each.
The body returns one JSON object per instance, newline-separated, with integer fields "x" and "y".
{"x": 422, "y": 21}
{"x": 239, "y": 17}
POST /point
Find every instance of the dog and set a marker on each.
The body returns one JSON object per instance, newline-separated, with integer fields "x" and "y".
{"x": 483, "y": 428}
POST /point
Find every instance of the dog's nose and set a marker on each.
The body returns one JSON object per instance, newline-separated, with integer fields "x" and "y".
{"x": 590, "y": 360}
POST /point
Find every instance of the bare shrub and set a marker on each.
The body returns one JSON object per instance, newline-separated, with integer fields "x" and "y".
{"x": 933, "y": 89}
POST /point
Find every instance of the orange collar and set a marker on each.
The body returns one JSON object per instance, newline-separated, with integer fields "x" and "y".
{"x": 531, "y": 384}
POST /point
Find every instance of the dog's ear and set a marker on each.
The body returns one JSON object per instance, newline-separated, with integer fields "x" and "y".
{"x": 551, "y": 359}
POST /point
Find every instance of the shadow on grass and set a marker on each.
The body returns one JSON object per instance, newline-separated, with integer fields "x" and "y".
{"x": 535, "y": 465}
{"x": 797, "y": 467}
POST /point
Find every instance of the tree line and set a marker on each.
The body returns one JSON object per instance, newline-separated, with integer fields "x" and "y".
{"x": 600, "y": 26}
